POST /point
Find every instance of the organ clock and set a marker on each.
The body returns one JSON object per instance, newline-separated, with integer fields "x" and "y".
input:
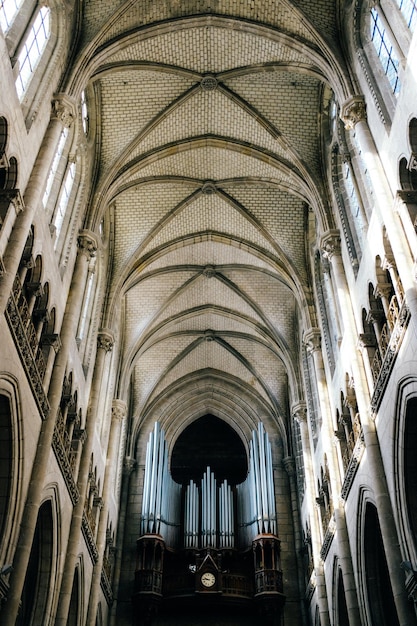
{"x": 208, "y": 540}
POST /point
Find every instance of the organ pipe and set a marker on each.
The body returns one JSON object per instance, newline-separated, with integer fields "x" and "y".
{"x": 161, "y": 495}
{"x": 256, "y": 496}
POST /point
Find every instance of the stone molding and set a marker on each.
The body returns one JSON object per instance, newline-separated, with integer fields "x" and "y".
{"x": 118, "y": 409}
{"x": 353, "y": 111}
{"x": 105, "y": 339}
{"x": 330, "y": 243}
{"x": 87, "y": 243}
{"x": 64, "y": 109}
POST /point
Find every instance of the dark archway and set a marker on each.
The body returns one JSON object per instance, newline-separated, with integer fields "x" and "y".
{"x": 5, "y": 461}
{"x": 209, "y": 441}
{"x": 36, "y": 590}
{"x": 342, "y": 612}
{"x": 410, "y": 464}
{"x": 75, "y": 601}
{"x": 378, "y": 585}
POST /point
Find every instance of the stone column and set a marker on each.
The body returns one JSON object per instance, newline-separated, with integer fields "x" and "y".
{"x": 312, "y": 339}
{"x": 87, "y": 243}
{"x": 353, "y": 113}
{"x": 299, "y": 412}
{"x": 330, "y": 244}
{"x": 129, "y": 465}
{"x": 289, "y": 465}
{"x": 63, "y": 114}
{"x": 105, "y": 341}
{"x": 118, "y": 414}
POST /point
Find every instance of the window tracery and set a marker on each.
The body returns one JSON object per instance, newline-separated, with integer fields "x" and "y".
{"x": 32, "y": 49}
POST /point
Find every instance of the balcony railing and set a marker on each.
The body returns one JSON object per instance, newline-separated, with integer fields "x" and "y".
{"x": 27, "y": 343}
{"x": 385, "y": 355}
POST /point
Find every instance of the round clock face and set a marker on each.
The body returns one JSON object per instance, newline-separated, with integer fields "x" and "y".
{"x": 208, "y": 579}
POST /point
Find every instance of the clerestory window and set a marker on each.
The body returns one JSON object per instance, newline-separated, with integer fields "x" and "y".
{"x": 385, "y": 51}
{"x": 55, "y": 165}
{"x": 408, "y": 10}
{"x": 32, "y": 49}
{"x": 63, "y": 201}
{"x": 8, "y": 11}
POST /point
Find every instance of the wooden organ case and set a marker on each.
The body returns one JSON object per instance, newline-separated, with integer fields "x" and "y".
{"x": 208, "y": 545}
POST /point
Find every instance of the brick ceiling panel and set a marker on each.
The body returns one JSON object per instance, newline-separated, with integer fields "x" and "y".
{"x": 213, "y": 113}
{"x": 281, "y": 15}
{"x": 210, "y": 212}
{"x": 223, "y": 321}
{"x": 214, "y": 50}
{"x": 209, "y": 355}
{"x": 209, "y": 162}
{"x": 290, "y": 101}
{"x": 136, "y": 212}
{"x": 156, "y": 363}
{"x": 205, "y": 254}
{"x": 130, "y": 99}
{"x": 268, "y": 367}
{"x": 274, "y": 300}
{"x": 204, "y": 291}
{"x": 145, "y": 300}
{"x": 272, "y": 207}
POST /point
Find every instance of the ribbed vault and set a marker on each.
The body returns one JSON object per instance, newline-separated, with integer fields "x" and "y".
{"x": 209, "y": 184}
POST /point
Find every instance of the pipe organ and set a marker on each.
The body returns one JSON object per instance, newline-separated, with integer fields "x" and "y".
{"x": 206, "y": 525}
{"x": 161, "y": 494}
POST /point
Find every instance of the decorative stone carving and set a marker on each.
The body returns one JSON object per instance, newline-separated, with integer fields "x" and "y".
{"x": 118, "y": 409}
{"x": 209, "y": 188}
{"x": 299, "y": 412}
{"x": 412, "y": 162}
{"x": 53, "y": 340}
{"x": 209, "y": 271}
{"x": 87, "y": 243}
{"x": 289, "y": 465}
{"x": 366, "y": 340}
{"x": 129, "y": 465}
{"x": 330, "y": 244}
{"x": 64, "y": 110}
{"x": 209, "y": 335}
{"x": 353, "y": 111}
{"x": 105, "y": 340}
{"x": 209, "y": 83}
{"x": 13, "y": 197}
{"x": 312, "y": 340}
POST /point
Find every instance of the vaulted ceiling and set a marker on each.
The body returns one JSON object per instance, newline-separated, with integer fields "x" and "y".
{"x": 207, "y": 119}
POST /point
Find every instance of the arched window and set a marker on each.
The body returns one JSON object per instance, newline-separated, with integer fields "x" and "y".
{"x": 32, "y": 49}
{"x": 408, "y": 10}
{"x": 84, "y": 112}
{"x": 55, "y": 165}
{"x": 63, "y": 201}
{"x": 385, "y": 50}
{"x": 8, "y": 11}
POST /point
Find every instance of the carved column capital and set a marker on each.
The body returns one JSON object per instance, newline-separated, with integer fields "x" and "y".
{"x": 105, "y": 339}
{"x": 289, "y": 465}
{"x": 87, "y": 243}
{"x": 382, "y": 290}
{"x": 118, "y": 409}
{"x": 299, "y": 412}
{"x": 353, "y": 111}
{"x": 129, "y": 465}
{"x": 312, "y": 340}
{"x": 330, "y": 244}
{"x": 64, "y": 109}
{"x": 412, "y": 162}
